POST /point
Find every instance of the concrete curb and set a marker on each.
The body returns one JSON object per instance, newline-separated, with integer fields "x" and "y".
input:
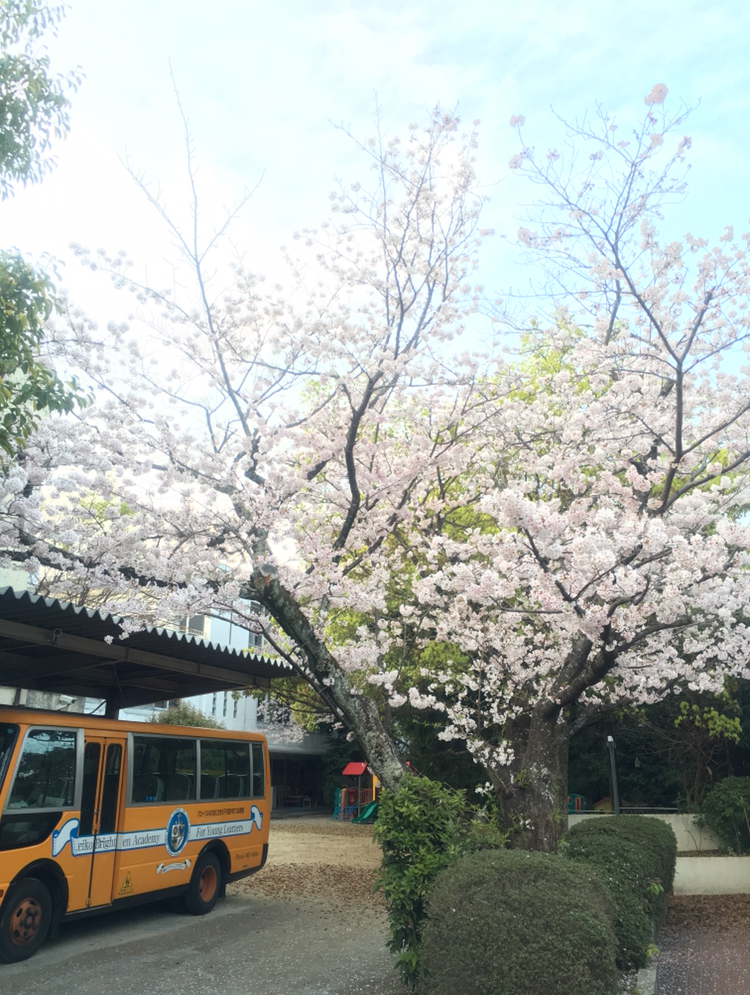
{"x": 647, "y": 980}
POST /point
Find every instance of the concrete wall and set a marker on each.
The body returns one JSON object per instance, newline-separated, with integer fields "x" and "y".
{"x": 712, "y": 876}
{"x": 49, "y": 700}
{"x": 689, "y": 835}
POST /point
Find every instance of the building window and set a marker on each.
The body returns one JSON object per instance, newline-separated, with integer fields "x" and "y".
{"x": 193, "y": 625}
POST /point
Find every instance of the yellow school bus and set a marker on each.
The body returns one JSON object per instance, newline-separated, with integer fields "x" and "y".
{"x": 99, "y": 814}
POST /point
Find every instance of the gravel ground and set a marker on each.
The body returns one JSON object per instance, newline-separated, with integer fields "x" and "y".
{"x": 324, "y": 872}
{"x": 316, "y": 861}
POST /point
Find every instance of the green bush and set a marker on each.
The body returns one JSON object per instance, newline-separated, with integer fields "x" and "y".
{"x": 654, "y": 837}
{"x": 518, "y": 923}
{"x": 635, "y": 857}
{"x": 726, "y": 809}
{"x": 422, "y": 828}
{"x": 618, "y": 863}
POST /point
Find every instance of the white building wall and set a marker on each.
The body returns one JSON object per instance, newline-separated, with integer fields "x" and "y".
{"x": 233, "y": 712}
{"x": 238, "y": 711}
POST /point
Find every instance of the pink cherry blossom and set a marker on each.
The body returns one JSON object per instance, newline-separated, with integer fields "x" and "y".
{"x": 658, "y": 95}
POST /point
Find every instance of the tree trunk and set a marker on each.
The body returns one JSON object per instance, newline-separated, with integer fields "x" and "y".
{"x": 358, "y": 712}
{"x": 535, "y": 802}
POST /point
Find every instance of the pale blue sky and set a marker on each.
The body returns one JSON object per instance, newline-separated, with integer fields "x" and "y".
{"x": 261, "y": 83}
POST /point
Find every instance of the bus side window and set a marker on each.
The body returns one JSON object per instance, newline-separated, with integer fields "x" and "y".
{"x": 228, "y": 766}
{"x": 163, "y": 769}
{"x": 179, "y": 788}
{"x": 146, "y": 788}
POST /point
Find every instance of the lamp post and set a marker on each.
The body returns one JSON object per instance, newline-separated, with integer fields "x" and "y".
{"x": 615, "y": 795}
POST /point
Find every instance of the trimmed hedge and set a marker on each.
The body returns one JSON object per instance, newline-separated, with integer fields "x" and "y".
{"x": 726, "y": 809}
{"x": 636, "y": 858}
{"x": 518, "y": 923}
{"x": 651, "y": 835}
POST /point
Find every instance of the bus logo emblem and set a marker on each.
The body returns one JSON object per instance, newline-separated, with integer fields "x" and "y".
{"x": 178, "y": 831}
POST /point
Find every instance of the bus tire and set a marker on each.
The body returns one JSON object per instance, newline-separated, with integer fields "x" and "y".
{"x": 205, "y": 885}
{"x": 25, "y": 921}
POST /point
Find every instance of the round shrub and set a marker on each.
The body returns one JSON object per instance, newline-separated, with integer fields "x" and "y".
{"x": 653, "y": 875}
{"x": 650, "y": 834}
{"x": 726, "y": 809}
{"x": 627, "y": 872}
{"x": 518, "y": 923}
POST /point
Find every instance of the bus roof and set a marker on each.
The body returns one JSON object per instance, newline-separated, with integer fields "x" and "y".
{"x": 20, "y": 714}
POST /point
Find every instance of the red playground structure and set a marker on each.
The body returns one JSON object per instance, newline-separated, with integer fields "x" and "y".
{"x": 357, "y": 802}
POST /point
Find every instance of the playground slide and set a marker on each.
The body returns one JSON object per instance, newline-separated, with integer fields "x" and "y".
{"x": 368, "y": 813}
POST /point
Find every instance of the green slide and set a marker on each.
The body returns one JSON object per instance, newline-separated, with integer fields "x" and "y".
{"x": 368, "y": 813}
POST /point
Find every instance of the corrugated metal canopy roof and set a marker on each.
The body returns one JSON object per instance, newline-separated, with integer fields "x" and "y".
{"x": 51, "y": 645}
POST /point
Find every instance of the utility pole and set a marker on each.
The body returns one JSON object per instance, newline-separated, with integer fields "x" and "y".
{"x": 615, "y": 794}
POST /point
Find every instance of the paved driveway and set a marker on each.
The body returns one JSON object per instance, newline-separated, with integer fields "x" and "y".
{"x": 247, "y": 946}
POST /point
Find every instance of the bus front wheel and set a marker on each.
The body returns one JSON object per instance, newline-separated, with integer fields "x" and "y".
{"x": 25, "y": 922}
{"x": 204, "y": 887}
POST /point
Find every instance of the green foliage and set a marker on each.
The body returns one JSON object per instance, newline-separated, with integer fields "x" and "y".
{"x": 726, "y": 809}
{"x": 422, "y": 828}
{"x": 518, "y": 923}
{"x": 33, "y": 110}
{"x": 716, "y": 724}
{"x": 27, "y": 386}
{"x": 436, "y": 758}
{"x": 657, "y": 841}
{"x": 441, "y": 760}
{"x": 635, "y": 857}
{"x": 33, "y": 105}
{"x": 668, "y": 753}
{"x": 185, "y": 714}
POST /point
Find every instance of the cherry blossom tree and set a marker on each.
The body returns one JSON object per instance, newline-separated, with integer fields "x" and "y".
{"x": 518, "y": 545}
{"x": 611, "y": 564}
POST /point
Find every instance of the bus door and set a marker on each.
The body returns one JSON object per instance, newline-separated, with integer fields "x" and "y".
{"x": 103, "y": 764}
